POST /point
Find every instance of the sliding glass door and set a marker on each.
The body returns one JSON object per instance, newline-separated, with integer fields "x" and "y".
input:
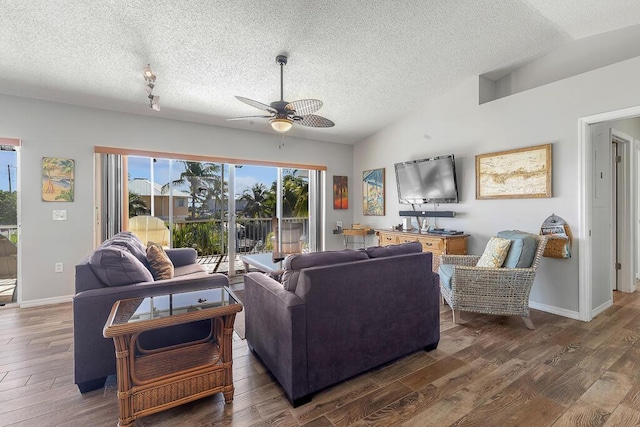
{"x": 221, "y": 209}
{"x": 9, "y": 223}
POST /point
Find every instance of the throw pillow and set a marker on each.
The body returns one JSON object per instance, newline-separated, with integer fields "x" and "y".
{"x": 495, "y": 253}
{"x": 522, "y": 250}
{"x": 116, "y": 266}
{"x": 128, "y": 240}
{"x": 159, "y": 262}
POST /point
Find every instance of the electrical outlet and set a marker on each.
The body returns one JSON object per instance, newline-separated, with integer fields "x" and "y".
{"x": 59, "y": 267}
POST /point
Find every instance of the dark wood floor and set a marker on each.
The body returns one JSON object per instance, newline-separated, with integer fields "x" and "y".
{"x": 490, "y": 371}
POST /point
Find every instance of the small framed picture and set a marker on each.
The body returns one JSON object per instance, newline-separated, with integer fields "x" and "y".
{"x": 57, "y": 179}
{"x": 340, "y": 192}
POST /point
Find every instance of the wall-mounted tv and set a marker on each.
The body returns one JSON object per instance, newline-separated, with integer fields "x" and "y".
{"x": 431, "y": 180}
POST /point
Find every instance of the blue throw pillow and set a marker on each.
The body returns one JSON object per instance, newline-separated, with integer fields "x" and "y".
{"x": 522, "y": 250}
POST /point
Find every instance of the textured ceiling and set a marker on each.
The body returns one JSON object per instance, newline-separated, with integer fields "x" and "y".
{"x": 369, "y": 61}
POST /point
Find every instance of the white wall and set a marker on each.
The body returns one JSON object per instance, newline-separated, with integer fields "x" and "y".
{"x": 456, "y": 124}
{"x": 59, "y": 130}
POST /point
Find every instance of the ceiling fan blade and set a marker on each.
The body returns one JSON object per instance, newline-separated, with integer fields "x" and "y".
{"x": 304, "y": 107}
{"x": 314, "y": 121}
{"x": 256, "y": 104}
{"x": 249, "y": 117}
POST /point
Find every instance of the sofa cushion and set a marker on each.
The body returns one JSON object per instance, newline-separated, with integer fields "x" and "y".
{"x": 522, "y": 250}
{"x": 159, "y": 263}
{"x": 128, "y": 240}
{"x": 116, "y": 266}
{"x": 294, "y": 263}
{"x": 494, "y": 253}
{"x": 185, "y": 270}
{"x": 445, "y": 271}
{"x": 391, "y": 250}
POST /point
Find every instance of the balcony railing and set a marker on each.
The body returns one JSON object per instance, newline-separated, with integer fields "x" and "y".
{"x": 210, "y": 237}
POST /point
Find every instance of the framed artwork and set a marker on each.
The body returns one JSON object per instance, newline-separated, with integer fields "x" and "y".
{"x": 514, "y": 174}
{"x": 373, "y": 192}
{"x": 340, "y": 192}
{"x": 57, "y": 179}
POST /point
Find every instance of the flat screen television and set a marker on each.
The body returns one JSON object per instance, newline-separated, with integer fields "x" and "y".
{"x": 431, "y": 180}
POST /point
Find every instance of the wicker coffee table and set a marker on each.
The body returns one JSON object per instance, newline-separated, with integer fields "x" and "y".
{"x": 152, "y": 380}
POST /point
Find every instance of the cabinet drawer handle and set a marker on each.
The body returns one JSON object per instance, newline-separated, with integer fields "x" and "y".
{"x": 428, "y": 244}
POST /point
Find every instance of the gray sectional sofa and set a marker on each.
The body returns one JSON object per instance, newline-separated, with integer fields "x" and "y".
{"x": 336, "y": 314}
{"x": 118, "y": 269}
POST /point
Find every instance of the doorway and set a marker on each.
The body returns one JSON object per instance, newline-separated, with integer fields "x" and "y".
{"x": 9, "y": 221}
{"x": 609, "y": 213}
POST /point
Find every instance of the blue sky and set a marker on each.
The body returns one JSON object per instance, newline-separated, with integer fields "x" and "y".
{"x": 8, "y": 158}
{"x": 246, "y": 176}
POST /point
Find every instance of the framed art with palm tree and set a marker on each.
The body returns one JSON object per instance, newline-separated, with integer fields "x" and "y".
{"x": 57, "y": 179}
{"x": 340, "y": 192}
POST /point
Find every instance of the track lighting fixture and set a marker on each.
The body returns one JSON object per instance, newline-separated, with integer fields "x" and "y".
{"x": 150, "y": 78}
{"x": 153, "y": 102}
{"x": 147, "y": 72}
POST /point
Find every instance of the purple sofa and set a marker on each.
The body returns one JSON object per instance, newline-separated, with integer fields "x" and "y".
{"x": 337, "y": 314}
{"x": 117, "y": 270}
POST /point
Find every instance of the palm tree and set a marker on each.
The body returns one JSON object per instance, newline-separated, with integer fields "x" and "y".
{"x": 259, "y": 202}
{"x": 200, "y": 177}
{"x": 295, "y": 195}
{"x": 137, "y": 205}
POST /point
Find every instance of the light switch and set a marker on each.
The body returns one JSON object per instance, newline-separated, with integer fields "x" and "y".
{"x": 59, "y": 215}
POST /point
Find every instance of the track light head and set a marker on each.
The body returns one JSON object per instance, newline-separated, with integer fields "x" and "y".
{"x": 148, "y": 74}
{"x": 154, "y": 101}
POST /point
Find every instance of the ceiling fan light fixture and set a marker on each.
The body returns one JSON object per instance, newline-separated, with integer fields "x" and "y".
{"x": 281, "y": 124}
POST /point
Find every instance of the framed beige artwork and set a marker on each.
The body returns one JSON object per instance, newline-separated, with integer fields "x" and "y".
{"x": 514, "y": 174}
{"x": 57, "y": 179}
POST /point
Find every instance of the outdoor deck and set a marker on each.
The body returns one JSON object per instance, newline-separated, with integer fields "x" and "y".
{"x": 220, "y": 263}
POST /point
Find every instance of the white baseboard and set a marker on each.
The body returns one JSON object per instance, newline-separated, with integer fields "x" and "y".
{"x": 45, "y": 301}
{"x": 555, "y": 310}
{"x": 601, "y": 308}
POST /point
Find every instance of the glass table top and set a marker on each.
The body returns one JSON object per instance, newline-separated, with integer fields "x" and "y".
{"x": 139, "y": 309}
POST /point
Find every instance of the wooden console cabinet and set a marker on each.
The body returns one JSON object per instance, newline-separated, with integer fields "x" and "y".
{"x": 437, "y": 244}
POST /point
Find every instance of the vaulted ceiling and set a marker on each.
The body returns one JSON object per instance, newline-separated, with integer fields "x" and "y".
{"x": 369, "y": 61}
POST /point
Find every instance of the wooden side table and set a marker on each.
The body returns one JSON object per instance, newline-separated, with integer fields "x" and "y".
{"x": 152, "y": 380}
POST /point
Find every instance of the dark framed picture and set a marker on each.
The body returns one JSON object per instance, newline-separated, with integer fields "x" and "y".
{"x": 340, "y": 192}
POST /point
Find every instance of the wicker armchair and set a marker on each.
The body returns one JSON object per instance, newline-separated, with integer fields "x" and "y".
{"x": 501, "y": 291}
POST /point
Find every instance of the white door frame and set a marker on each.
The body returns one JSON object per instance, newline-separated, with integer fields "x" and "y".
{"x": 585, "y": 258}
{"x": 625, "y": 228}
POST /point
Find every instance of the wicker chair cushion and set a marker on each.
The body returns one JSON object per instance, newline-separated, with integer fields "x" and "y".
{"x": 522, "y": 250}
{"x": 392, "y": 250}
{"x": 494, "y": 253}
{"x": 294, "y": 263}
{"x": 116, "y": 266}
{"x": 446, "y": 272}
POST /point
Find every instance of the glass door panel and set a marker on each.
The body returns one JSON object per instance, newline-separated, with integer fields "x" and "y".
{"x": 255, "y": 197}
{"x": 8, "y": 224}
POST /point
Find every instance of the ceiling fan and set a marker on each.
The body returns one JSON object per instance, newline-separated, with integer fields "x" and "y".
{"x": 283, "y": 114}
